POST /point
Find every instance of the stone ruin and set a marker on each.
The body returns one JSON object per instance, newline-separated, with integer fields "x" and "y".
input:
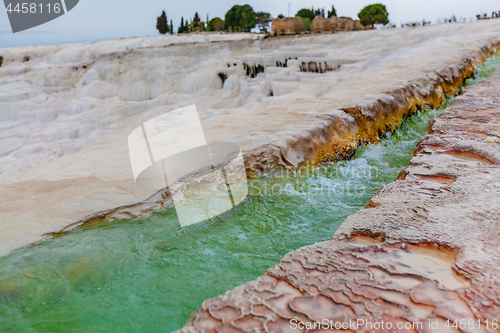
{"x": 292, "y": 25}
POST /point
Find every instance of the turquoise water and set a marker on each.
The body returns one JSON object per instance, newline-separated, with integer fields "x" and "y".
{"x": 149, "y": 275}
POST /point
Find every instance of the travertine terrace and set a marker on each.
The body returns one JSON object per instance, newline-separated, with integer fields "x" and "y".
{"x": 424, "y": 251}
{"x": 66, "y": 111}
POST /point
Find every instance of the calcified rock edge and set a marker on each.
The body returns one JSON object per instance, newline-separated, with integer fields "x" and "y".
{"x": 425, "y": 248}
{"x": 66, "y": 111}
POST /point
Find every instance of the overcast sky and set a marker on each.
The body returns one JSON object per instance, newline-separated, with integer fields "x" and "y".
{"x": 93, "y": 20}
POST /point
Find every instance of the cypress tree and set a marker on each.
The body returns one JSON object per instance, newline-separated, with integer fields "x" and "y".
{"x": 162, "y": 23}
{"x": 181, "y": 27}
{"x": 333, "y": 12}
{"x": 171, "y": 27}
{"x": 196, "y": 21}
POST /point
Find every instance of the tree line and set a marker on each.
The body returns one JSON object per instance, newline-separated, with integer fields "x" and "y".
{"x": 243, "y": 18}
{"x": 239, "y": 18}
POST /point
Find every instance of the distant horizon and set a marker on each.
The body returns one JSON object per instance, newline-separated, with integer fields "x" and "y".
{"x": 93, "y": 21}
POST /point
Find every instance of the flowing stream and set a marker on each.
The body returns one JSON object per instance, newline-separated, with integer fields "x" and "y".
{"x": 149, "y": 275}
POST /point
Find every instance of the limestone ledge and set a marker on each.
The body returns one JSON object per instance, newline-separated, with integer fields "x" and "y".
{"x": 425, "y": 248}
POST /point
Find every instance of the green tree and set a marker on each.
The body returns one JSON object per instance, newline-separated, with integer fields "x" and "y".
{"x": 263, "y": 19}
{"x": 162, "y": 23}
{"x": 216, "y": 24}
{"x": 197, "y": 24}
{"x": 280, "y": 16}
{"x": 306, "y": 13}
{"x": 320, "y": 12}
{"x": 333, "y": 12}
{"x": 242, "y": 17}
{"x": 179, "y": 29}
{"x": 374, "y": 14}
{"x": 171, "y": 27}
{"x": 196, "y": 20}
{"x": 183, "y": 27}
